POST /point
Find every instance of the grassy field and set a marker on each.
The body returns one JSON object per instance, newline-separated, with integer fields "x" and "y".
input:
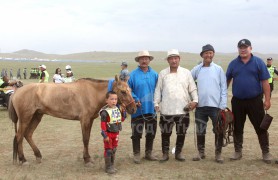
{"x": 61, "y": 144}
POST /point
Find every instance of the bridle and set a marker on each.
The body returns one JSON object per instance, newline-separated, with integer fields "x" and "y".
{"x": 120, "y": 102}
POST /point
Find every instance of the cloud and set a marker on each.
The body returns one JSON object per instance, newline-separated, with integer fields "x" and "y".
{"x": 67, "y": 26}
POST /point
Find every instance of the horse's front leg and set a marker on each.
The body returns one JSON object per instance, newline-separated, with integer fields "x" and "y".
{"x": 86, "y": 125}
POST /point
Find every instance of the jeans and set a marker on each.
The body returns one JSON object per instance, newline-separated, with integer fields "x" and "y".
{"x": 202, "y": 115}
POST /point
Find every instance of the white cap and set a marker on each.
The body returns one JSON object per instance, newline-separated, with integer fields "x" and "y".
{"x": 43, "y": 66}
{"x": 68, "y": 67}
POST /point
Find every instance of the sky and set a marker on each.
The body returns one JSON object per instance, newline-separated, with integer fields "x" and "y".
{"x": 71, "y": 26}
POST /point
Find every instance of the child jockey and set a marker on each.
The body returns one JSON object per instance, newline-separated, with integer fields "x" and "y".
{"x": 111, "y": 118}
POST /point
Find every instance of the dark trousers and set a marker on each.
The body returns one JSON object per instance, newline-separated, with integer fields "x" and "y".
{"x": 138, "y": 124}
{"x": 255, "y": 110}
{"x": 271, "y": 87}
{"x": 166, "y": 125}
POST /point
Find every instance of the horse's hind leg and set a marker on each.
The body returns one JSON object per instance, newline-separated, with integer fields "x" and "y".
{"x": 86, "y": 126}
{"x": 29, "y": 133}
{"x": 19, "y": 137}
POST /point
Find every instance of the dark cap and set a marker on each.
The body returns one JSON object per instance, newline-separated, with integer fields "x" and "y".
{"x": 207, "y": 47}
{"x": 124, "y": 63}
{"x": 244, "y": 42}
{"x": 269, "y": 59}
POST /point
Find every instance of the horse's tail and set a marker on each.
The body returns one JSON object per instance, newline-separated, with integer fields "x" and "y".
{"x": 14, "y": 118}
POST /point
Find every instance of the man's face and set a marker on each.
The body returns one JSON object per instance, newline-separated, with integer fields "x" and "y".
{"x": 144, "y": 61}
{"x": 208, "y": 56}
{"x": 244, "y": 51}
{"x": 174, "y": 61}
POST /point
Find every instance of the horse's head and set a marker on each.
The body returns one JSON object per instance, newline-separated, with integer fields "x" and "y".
{"x": 125, "y": 98}
{"x": 18, "y": 84}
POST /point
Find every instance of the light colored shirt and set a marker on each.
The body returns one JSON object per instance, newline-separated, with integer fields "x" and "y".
{"x": 174, "y": 91}
{"x": 58, "y": 79}
{"x": 211, "y": 85}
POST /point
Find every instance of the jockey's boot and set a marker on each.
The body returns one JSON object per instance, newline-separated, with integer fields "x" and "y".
{"x": 238, "y": 140}
{"x": 113, "y": 159}
{"x": 218, "y": 148}
{"x": 108, "y": 165}
{"x": 136, "y": 150}
{"x": 165, "y": 139}
{"x": 179, "y": 146}
{"x": 264, "y": 143}
{"x": 201, "y": 139}
{"x": 149, "y": 147}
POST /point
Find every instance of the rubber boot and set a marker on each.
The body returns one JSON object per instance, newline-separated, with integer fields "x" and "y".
{"x": 218, "y": 148}
{"x": 148, "y": 153}
{"x": 238, "y": 140}
{"x": 179, "y": 146}
{"x": 108, "y": 165}
{"x": 201, "y": 139}
{"x": 136, "y": 151}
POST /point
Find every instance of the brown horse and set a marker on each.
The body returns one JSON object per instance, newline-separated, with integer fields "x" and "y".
{"x": 80, "y": 100}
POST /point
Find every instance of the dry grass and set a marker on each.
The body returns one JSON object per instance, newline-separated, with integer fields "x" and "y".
{"x": 61, "y": 146}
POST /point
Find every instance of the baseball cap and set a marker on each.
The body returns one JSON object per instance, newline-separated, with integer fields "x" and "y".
{"x": 43, "y": 66}
{"x": 124, "y": 63}
{"x": 124, "y": 75}
{"x": 269, "y": 59}
{"x": 244, "y": 42}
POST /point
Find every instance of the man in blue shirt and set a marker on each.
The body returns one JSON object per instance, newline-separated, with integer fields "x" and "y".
{"x": 250, "y": 82}
{"x": 142, "y": 81}
{"x": 212, "y": 93}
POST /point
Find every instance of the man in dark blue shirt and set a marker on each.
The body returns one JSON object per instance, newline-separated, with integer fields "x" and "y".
{"x": 250, "y": 82}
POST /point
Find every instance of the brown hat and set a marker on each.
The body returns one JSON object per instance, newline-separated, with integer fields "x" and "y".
{"x": 144, "y": 53}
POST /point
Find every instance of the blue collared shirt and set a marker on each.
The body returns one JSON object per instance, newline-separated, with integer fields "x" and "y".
{"x": 247, "y": 77}
{"x": 211, "y": 85}
{"x": 143, "y": 87}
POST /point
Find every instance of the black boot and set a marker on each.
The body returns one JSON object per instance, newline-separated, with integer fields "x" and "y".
{"x": 218, "y": 148}
{"x": 113, "y": 159}
{"x": 264, "y": 143}
{"x": 149, "y": 147}
{"x": 201, "y": 139}
{"x": 179, "y": 146}
{"x": 136, "y": 150}
{"x": 165, "y": 147}
{"x": 238, "y": 141}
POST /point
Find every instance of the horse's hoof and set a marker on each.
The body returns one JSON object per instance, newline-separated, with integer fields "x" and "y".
{"x": 39, "y": 160}
{"x": 25, "y": 163}
{"x": 89, "y": 164}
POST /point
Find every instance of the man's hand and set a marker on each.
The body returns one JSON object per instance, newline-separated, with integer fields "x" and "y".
{"x": 192, "y": 105}
{"x": 139, "y": 104}
{"x": 157, "y": 108}
{"x": 267, "y": 104}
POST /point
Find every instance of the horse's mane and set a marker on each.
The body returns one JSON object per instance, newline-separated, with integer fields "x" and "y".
{"x": 93, "y": 80}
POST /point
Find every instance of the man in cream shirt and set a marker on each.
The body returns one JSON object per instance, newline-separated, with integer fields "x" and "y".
{"x": 174, "y": 90}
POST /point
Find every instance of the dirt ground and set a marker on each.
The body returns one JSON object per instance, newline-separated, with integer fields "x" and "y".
{"x": 61, "y": 146}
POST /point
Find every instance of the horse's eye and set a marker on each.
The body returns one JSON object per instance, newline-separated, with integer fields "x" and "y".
{"x": 123, "y": 92}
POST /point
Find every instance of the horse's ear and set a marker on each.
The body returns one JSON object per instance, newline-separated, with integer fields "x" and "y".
{"x": 117, "y": 78}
